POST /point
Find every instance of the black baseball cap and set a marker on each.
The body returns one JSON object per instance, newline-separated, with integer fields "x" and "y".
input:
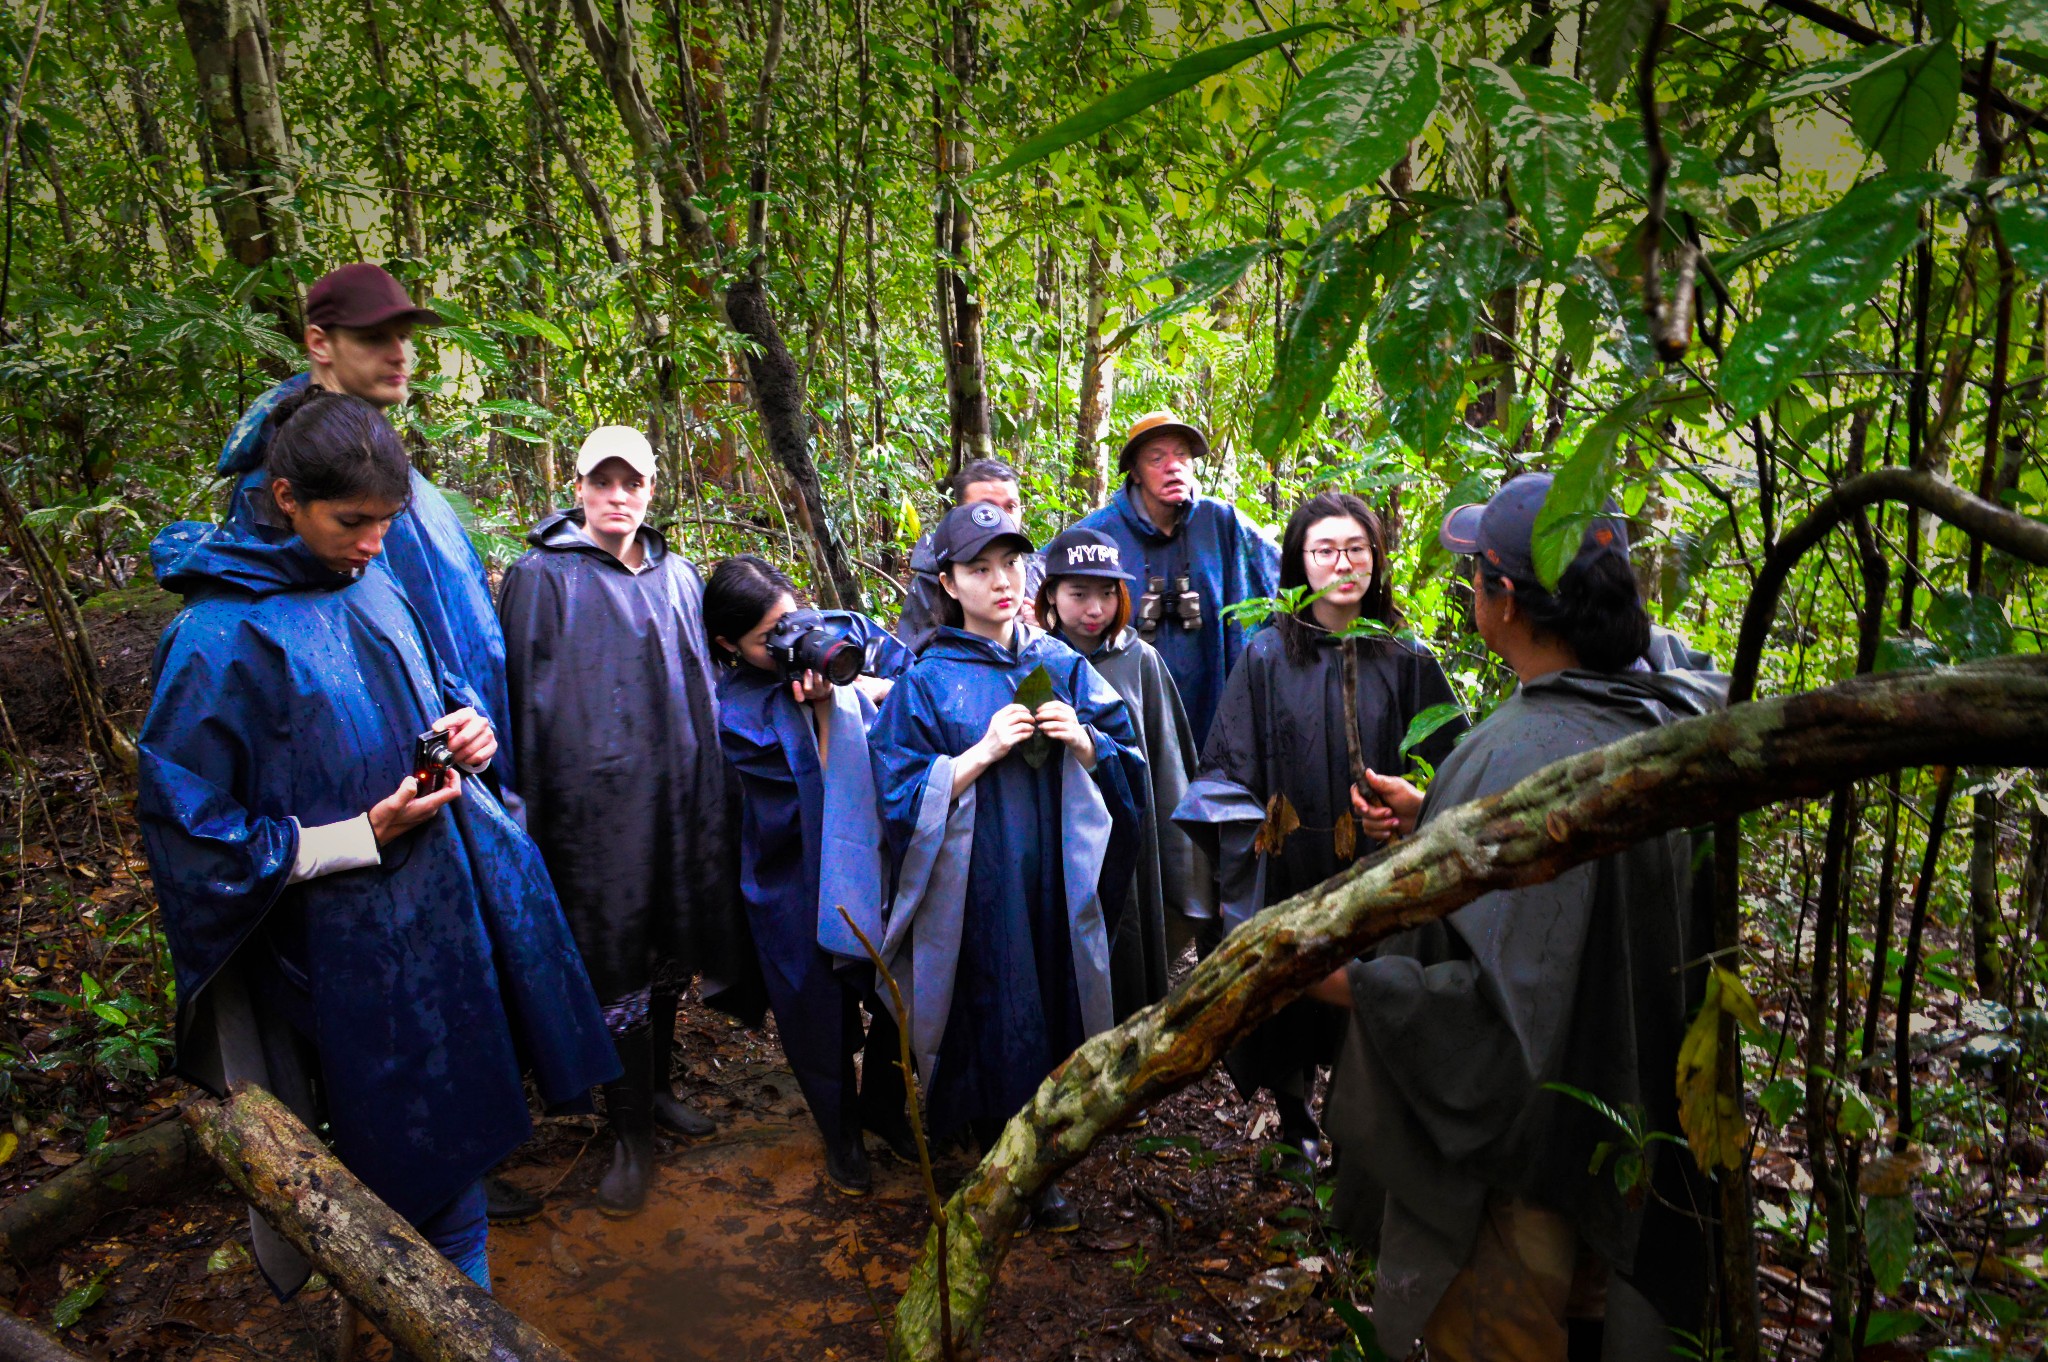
{"x": 1501, "y": 531}
{"x": 969, "y": 529}
{"x": 361, "y": 296}
{"x": 1085, "y": 553}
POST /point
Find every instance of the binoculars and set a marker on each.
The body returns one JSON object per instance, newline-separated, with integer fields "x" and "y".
{"x": 1179, "y": 602}
{"x": 805, "y": 641}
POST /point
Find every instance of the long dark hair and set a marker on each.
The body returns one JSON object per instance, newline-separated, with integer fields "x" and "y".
{"x": 741, "y": 590}
{"x": 1299, "y": 631}
{"x": 1597, "y": 611}
{"x": 336, "y": 447}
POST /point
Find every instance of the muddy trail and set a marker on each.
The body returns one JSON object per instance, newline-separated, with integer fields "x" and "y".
{"x": 1187, "y": 1248}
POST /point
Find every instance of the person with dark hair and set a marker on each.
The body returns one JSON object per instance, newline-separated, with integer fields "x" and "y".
{"x": 1284, "y": 755}
{"x": 1467, "y": 1146}
{"x": 1085, "y": 602}
{"x": 924, "y": 602}
{"x": 810, "y": 845}
{"x": 359, "y": 325}
{"x": 613, "y": 706}
{"x": 1192, "y": 556}
{"x": 354, "y": 922}
{"x": 1010, "y": 786}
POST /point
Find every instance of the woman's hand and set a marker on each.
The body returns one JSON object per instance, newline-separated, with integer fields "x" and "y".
{"x": 1007, "y": 727}
{"x": 470, "y": 739}
{"x": 406, "y": 808}
{"x": 811, "y": 689}
{"x": 1390, "y": 810}
{"x": 1057, "y": 720}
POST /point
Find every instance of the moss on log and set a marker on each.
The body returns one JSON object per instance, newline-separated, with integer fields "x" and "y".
{"x": 162, "y": 1161}
{"x": 1685, "y": 775}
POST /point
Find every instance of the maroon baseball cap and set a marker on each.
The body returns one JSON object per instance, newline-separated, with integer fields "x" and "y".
{"x": 361, "y": 296}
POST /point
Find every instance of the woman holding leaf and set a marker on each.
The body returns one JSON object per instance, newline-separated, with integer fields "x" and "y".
{"x": 1010, "y": 785}
{"x": 1321, "y": 699}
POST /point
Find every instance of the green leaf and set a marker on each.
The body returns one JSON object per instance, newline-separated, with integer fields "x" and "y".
{"x": 487, "y": 349}
{"x": 2025, "y": 226}
{"x": 1544, "y": 125}
{"x": 77, "y": 1301}
{"x": 1429, "y": 721}
{"x": 529, "y": 324}
{"x": 1857, "y": 1117}
{"x": 1784, "y": 232}
{"x": 1907, "y": 655}
{"x": 1320, "y": 334}
{"x": 1614, "y": 40}
{"x": 1034, "y": 690}
{"x": 1353, "y": 117}
{"x": 1596, "y": 307}
{"x": 1969, "y": 627}
{"x": 1422, "y": 331}
{"x": 1206, "y": 275}
{"x": 1888, "y": 1326}
{"x": 1694, "y": 182}
{"x": 2023, "y": 22}
{"x": 1904, "y": 111}
{"x": 1828, "y": 76}
{"x": 1847, "y": 255}
{"x": 1579, "y": 492}
{"x": 1780, "y": 1098}
{"x": 1141, "y": 94}
{"x": 1888, "y": 1235}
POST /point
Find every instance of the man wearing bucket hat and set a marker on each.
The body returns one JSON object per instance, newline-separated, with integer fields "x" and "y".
{"x": 1191, "y": 555}
{"x": 1501, "y": 1232}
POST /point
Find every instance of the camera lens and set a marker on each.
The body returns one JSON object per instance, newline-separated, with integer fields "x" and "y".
{"x": 839, "y": 662}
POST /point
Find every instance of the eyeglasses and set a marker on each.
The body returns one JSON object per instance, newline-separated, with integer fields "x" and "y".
{"x": 1322, "y": 555}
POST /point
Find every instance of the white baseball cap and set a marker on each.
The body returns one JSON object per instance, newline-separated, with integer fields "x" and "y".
{"x": 615, "y": 442}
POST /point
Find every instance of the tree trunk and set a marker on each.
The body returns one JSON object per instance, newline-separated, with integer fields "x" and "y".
{"x": 244, "y": 128}
{"x": 1098, "y": 386}
{"x": 1568, "y": 813}
{"x": 170, "y": 197}
{"x": 21, "y": 1341}
{"x": 407, "y": 236}
{"x": 410, "y": 1292}
{"x": 156, "y": 1163}
{"x": 960, "y": 310}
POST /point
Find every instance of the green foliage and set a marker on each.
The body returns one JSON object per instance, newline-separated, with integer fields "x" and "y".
{"x": 1904, "y": 110}
{"x": 1319, "y": 338}
{"x": 1206, "y": 276}
{"x": 2024, "y": 224}
{"x": 1615, "y": 36}
{"x": 1888, "y": 1223}
{"x": 1421, "y": 334}
{"x": 1353, "y": 117}
{"x": 1035, "y": 690}
{"x": 1545, "y": 126}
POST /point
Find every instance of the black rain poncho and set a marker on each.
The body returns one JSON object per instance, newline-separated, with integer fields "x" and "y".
{"x": 615, "y": 720}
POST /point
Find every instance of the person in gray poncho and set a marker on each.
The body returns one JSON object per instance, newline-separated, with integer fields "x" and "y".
{"x": 1500, "y": 1234}
{"x": 1085, "y": 602}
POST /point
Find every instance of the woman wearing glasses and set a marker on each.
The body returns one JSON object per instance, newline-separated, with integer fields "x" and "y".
{"x": 1278, "y": 759}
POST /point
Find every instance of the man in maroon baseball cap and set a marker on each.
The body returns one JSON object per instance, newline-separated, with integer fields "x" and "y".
{"x": 359, "y": 323}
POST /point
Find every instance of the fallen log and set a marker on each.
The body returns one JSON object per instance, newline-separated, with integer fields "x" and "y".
{"x": 414, "y": 1296}
{"x": 1686, "y": 775}
{"x": 21, "y": 1341}
{"x": 151, "y": 1165}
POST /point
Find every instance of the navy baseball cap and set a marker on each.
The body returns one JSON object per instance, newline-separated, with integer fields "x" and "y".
{"x": 969, "y": 529}
{"x": 1501, "y": 531}
{"x": 1085, "y": 553}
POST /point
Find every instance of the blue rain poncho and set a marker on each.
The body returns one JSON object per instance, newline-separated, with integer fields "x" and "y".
{"x": 810, "y": 843}
{"x": 417, "y": 990}
{"x": 1226, "y": 558}
{"x": 998, "y": 931}
{"x": 426, "y": 549}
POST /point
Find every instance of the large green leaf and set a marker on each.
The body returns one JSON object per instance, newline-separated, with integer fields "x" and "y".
{"x": 1579, "y": 491}
{"x": 1353, "y": 117}
{"x": 2023, "y": 22}
{"x": 2025, "y": 227}
{"x": 1206, "y": 275}
{"x": 1555, "y": 147}
{"x": 1695, "y": 181}
{"x": 1595, "y": 306}
{"x": 1969, "y": 627}
{"x": 1904, "y": 111}
{"x": 1614, "y": 41}
{"x": 1422, "y": 331}
{"x": 1847, "y": 253}
{"x": 1320, "y": 334}
{"x": 1825, "y": 77}
{"x": 1888, "y": 1235}
{"x": 1034, "y": 690}
{"x": 1142, "y": 93}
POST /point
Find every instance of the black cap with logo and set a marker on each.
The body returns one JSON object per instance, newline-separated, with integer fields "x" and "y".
{"x": 1085, "y": 553}
{"x": 969, "y": 529}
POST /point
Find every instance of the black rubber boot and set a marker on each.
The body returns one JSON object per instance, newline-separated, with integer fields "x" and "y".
{"x": 847, "y": 1167}
{"x": 1298, "y": 1128}
{"x": 623, "y": 1189}
{"x": 1053, "y": 1213}
{"x": 671, "y": 1112}
{"x": 506, "y": 1204}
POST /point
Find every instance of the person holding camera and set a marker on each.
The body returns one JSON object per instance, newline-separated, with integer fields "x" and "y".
{"x": 1279, "y": 762}
{"x": 1086, "y": 604}
{"x": 355, "y": 923}
{"x": 1011, "y": 787}
{"x": 797, "y": 695}
{"x": 1193, "y": 556}
{"x": 989, "y": 480}
{"x": 615, "y": 715}
{"x": 1486, "y": 1050}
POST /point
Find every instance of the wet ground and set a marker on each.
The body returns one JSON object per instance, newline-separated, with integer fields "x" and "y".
{"x": 1187, "y": 1250}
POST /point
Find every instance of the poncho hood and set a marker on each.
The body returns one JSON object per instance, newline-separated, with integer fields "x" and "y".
{"x": 196, "y": 559}
{"x": 563, "y": 532}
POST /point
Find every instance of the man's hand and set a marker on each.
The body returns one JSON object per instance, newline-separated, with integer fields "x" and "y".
{"x": 1390, "y": 808}
{"x": 406, "y": 808}
{"x": 1057, "y": 720}
{"x": 470, "y": 739}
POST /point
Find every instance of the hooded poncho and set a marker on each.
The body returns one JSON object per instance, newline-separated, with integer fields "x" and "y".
{"x": 616, "y": 721}
{"x": 420, "y": 987}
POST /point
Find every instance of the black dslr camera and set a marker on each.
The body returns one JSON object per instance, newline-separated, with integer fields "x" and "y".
{"x": 805, "y": 641}
{"x": 1179, "y": 602}
{"x": 431, "y": 761}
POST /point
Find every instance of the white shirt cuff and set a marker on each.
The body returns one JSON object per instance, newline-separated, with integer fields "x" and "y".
{"x": 347, "y": 845}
